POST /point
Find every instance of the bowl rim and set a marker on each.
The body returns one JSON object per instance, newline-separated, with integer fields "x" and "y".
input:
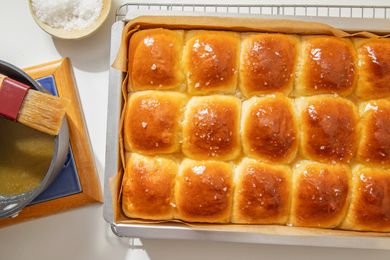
{"x": 61, "y": 143}
{"x": 74, "y": 34}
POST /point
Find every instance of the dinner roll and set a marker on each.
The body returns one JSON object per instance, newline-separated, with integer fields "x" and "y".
{"x": 211, "y": 128}
{"x": 152, "y": 122}
{"x": 327, "y": 65}
{"x": 268, "y": 63}
{"x": 320, "y": 194}
{"x": 328, "y": 128}
{"x": 374, "y": 145}
{"x": 155, "y": 60}
{"x": 374, "y": 68}
{"x": 203, "y": 191}
{"x": 148, "y": 186}
{"x": 211, "y": 60}
{"x": 269, "y": 129}
{"x": 262, "y": 193}
{"x": 370, "y": 200}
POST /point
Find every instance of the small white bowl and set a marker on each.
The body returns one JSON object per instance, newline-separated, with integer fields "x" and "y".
{"x": 77, "y": 33}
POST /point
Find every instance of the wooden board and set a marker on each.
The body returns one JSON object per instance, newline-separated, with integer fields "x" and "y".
{"x": 82, "y": 156}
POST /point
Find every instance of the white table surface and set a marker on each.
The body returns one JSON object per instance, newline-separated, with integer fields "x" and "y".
{"x": 82, "y": 233}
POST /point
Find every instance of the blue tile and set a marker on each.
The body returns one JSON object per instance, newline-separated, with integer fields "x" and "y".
{"x": 67, "y": 182}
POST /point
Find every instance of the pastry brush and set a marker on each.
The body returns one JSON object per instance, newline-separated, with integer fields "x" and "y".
{"x": 37, "y": 110}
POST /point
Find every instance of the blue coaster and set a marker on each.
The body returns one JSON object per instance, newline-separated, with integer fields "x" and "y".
{"x": 67, "y": 181}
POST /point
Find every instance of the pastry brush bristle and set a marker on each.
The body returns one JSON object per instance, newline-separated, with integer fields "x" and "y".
{"x": 42, "y": 112}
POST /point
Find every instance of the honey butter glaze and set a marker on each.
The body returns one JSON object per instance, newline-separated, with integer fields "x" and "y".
{"x": 262, "y": 193}
{"x": 211, "y": 128}
{"x": 321, "y": 194}
{"x": 370, "y": 209}
{"x": 329, "y": 129}
{"x": 268, "y": 63}
{"x": 204, "y": 191}
{"x": 211, "y": 61}
{"x": 374, "y": 68}
{"x": 152, "y": 121}
{"x": 25, "y": 157}
{"x": 155, "y": 59}
{"x": 147, "y": 187}
{"x": 270, "y": 129}
{"x": 329, "y": 66}
{"x": 374, "y": 147}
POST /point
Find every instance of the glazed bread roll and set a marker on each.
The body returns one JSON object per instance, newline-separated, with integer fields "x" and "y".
{"x": 320, "y": 194}
{"x": 269, "y": 129}
{"x": 152, "y": 123}
{"x": 370, "y": 200}
{"x": 262, "y": 193}
{"x": 211, "y": 128}
{"x": 203, "y": 191}
{"x": 328, "y": 128}
{"x": 327, "y": 66}
{"x": 374, "y": 145}
{"x": 155, "y": 60}
{"x": 147, "y": 187}
{"x": 374, "y": 68}
{"x": 211, "y": 60}
{"x": 268, "y": 63}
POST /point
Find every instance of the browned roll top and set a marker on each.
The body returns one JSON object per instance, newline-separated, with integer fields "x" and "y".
{"x": 329, "y": 66}
{"x": 270, "y": 129}
{"x": 329, "y": 129}
{"x": 268, "y": 63}
{"x": 262, "y": 193}
{"x": 204, "y": 191}
{"x": 155, "y": 59}
{"x": 374, "y": 68}
{"x": 320, "y": 195}
{"x": 211, "y": 128}
{"x": 370, "y": 204}
{"x": 374, "y": 147}
{"x": 148, "y": 187}
{"x": 152, "y": 122}
{"x": 211, "y": 61}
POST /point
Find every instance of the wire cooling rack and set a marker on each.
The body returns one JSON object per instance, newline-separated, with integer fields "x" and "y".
{"x": 337, "y": 11}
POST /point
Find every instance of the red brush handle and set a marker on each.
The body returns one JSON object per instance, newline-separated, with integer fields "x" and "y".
{"x": 12, "y": 94}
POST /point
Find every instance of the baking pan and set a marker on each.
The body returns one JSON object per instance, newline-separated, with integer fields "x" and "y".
{"x": 267, "y": 234}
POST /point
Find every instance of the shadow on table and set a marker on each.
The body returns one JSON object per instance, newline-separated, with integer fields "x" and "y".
{"x": 187, "y": 249}
{"x": 90, "y": 54}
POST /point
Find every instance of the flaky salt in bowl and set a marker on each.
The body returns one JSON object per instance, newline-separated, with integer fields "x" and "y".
{"x": 70, "y": 19}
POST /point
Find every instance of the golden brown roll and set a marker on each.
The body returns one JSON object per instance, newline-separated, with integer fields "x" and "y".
{"x": 269, "y": 129}
{"x": 203, "y": 191}
{"x": 327, "y": 65}
{"x": 328, "y": 128}
{"x": 268, "y": 63}
{"x": 152, "y": 122}
{"x": 211, "y": 128}
{"x": 262, "y": 193}
{"x": 374, "y": 145}
{"x": 211, "y": 60}
{"x": 370, "y": 200}
{"x": 155, "y": 60}
{"x": 374, "y": 68}
{"x": 320, "y": 194}
{"x": 148, "y": 187}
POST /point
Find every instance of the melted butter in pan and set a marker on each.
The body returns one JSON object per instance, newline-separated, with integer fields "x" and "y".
{"x": 25, "y": 157}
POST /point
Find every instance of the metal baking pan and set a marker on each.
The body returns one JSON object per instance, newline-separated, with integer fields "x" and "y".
{"x": 181, "y": 231}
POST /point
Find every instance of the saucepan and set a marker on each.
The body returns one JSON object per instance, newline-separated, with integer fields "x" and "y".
{"x": 12, "y": 205}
